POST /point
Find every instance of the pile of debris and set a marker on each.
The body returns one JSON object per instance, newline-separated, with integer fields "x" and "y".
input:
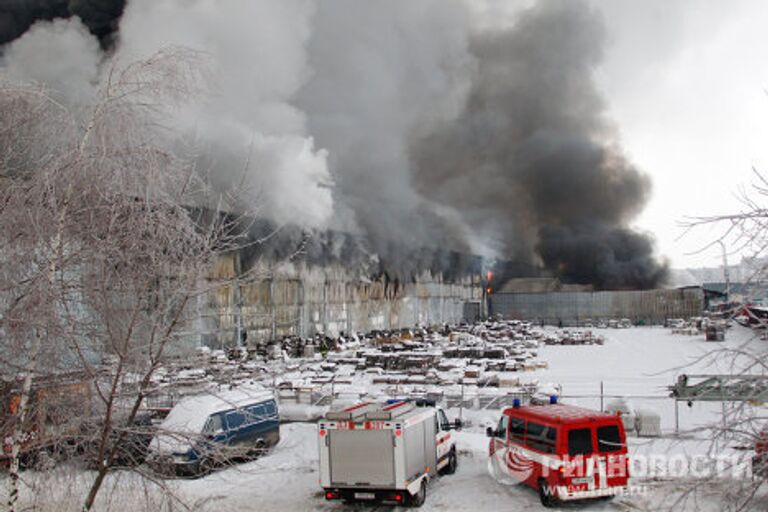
{"x": 612, "y": 323}
{"x": 474, "y": 364}
{"x": 567, "y": 337}
{"x": 712, "y": 328}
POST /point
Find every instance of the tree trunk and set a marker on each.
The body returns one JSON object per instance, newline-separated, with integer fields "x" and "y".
{"x": 18, "y": 428}
{"x": 34, "y": 352}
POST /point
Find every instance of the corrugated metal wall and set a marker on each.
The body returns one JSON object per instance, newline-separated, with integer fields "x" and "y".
{"x": 294, "y": 299}
{"x": 572, "y": 308}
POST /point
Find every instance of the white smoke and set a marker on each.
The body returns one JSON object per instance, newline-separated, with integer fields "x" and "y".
{"x": 248, "y": 126}
{"x": 61, "y": 54}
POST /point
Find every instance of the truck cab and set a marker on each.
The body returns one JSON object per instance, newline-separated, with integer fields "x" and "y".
{"x": 562, "y": 451}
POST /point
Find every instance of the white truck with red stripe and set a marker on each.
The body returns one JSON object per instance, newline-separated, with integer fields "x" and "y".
{"x": 388, "y": 452}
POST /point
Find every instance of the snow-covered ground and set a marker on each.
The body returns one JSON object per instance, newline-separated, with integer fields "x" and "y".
{"x": 638, "y": 363}
{"x": 635, "y": 363}
{"x": 641, "y": 362}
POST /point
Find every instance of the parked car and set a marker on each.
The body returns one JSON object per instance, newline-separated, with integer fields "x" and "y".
{"x": 562, "y": 451}
{"x": 204, "y": 431}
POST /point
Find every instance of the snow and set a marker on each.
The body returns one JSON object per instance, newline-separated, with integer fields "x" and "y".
{"x": 636, "y": 363}
{"x": 287, "y": 479}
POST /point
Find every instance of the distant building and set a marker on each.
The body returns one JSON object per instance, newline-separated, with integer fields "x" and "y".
{"x": 739, "y": 292}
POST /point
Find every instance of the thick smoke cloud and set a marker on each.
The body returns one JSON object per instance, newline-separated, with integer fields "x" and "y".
{"x": 533, "y": 163}
{"x": 406, "y": 124}
{"x": 248, "y": 128}
{"x": 382, "y": 71}
{"x": 61, "y": 54}
{"x": 609, "y": 257}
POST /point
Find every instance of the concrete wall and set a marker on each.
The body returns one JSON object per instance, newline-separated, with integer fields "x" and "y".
{"x": 294, "y": 299}
{"x": 650, "y": 306}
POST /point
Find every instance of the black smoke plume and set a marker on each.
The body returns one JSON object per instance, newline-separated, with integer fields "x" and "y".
{"x": 532, "y": 161}
{"x": 100, "y": 16}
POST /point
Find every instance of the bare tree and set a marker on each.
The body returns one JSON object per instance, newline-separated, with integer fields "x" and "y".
{"x": 107, "y": 239}
{"x": 32, "y": 238}
{"x": 744, "y": 423}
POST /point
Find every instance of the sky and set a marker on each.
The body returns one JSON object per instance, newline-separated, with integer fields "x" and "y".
{"x": 685, "y": 82}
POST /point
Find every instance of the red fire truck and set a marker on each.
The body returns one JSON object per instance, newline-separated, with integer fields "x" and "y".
{"x": 564, "y": 452}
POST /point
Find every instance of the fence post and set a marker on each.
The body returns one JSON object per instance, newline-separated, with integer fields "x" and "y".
{"x": 677, "y": 417}
{"x": 602, "y": 390}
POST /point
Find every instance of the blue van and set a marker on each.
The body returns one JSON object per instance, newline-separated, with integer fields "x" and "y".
{"x": 204, "y": 431}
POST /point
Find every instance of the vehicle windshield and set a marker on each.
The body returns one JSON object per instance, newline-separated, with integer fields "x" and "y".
{"x": 213, "y": 425}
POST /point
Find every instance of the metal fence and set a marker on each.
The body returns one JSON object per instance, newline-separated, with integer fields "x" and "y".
{"x": 575, "y": 308}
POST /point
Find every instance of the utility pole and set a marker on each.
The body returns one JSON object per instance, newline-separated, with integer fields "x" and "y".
{"x": 239, "y": 306}
{"x": 726, "y": 273}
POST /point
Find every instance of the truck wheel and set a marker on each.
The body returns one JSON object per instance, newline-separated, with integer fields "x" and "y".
{"x": 547, "y": 494}
{"x": 258, "y": 449}
{"x": 420, "y": 497}
{"x": 453, "y": 463}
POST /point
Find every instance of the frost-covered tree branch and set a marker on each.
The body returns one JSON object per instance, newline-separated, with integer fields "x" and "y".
{"x": 742, "y": 233}
{"x": 107, "y": 236}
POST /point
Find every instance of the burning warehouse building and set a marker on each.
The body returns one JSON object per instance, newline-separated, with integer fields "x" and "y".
{"x": 294, "y": 284}
{"x": 291, "y": 283}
